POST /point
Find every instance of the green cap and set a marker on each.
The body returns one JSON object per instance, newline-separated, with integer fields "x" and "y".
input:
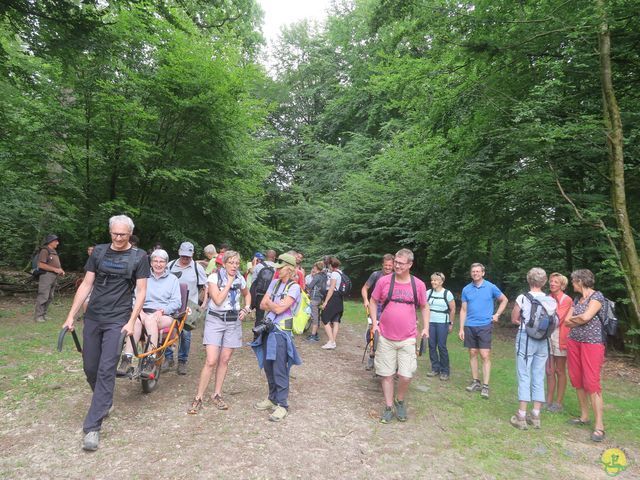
{"x": 286, "y": 259}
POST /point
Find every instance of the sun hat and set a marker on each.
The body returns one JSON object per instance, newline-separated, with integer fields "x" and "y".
{"x": 286, "y": 259}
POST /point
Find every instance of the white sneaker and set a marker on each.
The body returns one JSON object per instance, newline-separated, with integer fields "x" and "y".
{"x": 329, "y": 345}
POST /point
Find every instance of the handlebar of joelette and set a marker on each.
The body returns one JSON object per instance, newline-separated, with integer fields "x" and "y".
{"x": 63, "y": 332}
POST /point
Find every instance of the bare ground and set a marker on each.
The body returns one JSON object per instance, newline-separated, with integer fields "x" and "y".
{"x": 332, "y": 431}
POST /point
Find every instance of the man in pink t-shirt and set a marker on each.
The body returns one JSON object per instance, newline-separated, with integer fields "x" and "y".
{"x": 397, "y": 327}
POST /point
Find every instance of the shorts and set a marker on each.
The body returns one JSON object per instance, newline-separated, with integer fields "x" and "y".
{"x": 333, "y": 311}
{"x": 392, "y": 356}
{"x": 554, "y": 345}
{"x": 222, "y": 334}
{"x": 478, "y": 337}
{"x": 584, "y": 361}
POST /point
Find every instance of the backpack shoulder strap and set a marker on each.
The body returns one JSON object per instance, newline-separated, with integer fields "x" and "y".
{"x": 195, "y": 266}
{"x": 392, "y": 284}
{"x": 171, "y": 264}
{"x": 100, "y": 251}
{"x": 415, "y": 290}
{"x": 133, "y": 262}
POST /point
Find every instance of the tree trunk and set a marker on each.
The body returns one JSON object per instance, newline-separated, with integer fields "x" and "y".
{"x": 613, "y": 125}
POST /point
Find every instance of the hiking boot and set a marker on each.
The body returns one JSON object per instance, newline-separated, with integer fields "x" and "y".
{"x": 533, "y": 420}
{"x": 387, "y": 415}
{"x": 313, "y": 338}
{"x": 265, "y": 405}
{"x": 40, "y": 320}
{"x": 90, "y": 442}
{"x": 474, "y": 386}
{"x": 519, "y": 422}
{"x": 433, "y": 373}
{"x": 125, "y": 365}
{"x": 484, "y": 393}
{"x": 278, "y": 414}
{"x": 167, "y": 365}
{"x": 329, "y": 345}
{"x": 401, "y": 410}
{"x": 444, "y": 377}
{"x": 182, "y": 368}
{"x": 149, "y": 366}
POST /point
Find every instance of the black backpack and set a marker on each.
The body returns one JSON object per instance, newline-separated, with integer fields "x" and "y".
{"x": 261, "y": 284}
{"x": 390, "y": 294}
{"x": 35, "y": 260}
{"x": 101, "y": 250}
{"x": 345, "y": 285}
{"x": 610, "y": 321}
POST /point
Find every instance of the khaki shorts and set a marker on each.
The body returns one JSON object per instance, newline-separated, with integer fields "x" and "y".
{"x": 392, "y": 356}
{"x": 554, "y": 345}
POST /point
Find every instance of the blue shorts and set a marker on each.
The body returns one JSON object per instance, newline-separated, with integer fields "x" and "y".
{"x": 478, "y": 337}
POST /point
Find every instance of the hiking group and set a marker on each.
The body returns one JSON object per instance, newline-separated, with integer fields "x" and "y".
{"x": 123, "y": 290}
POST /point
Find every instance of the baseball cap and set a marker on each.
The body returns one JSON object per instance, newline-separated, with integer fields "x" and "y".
{"x": 286, "y": 259}
{"x": 186, "y": 249}
{"x": 259, "y": 255}
{"x": 50, "y": 238}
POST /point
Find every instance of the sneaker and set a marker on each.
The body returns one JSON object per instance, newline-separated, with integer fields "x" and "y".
{"x": 401, "y": 410}
{"x": 484, "y": 393}
{"x": 182, "y": 368}
{"x": 533, "y": 420}
{"x": 149, "y": 366}
{"x": 40, "y": 320}
{"x": 167, "y": 365}
{"x": 433, "y": 373}
{"x": 519, "y": 422}
{"x": 278, "y": 414}
{"x": 387, "y": 415}
{"x": 554, "y": 408}
{"x": 474, "y": 386}
{"x": 313, "y": 338}
{"x": 265, "y": 404}
{"x": 90, "y": 442}
{"x": 219, "y": 403}
{"x": 125, "y": 364}
{"x": 444, "y": 377}
{"x": 329, "y": 345}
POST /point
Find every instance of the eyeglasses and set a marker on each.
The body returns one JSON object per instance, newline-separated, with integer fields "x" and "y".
{"x": 159, "y": 260}
{"x": 401, "y": 264}
{"x": 233, "y": 263}
{"x": 114, "y": 234}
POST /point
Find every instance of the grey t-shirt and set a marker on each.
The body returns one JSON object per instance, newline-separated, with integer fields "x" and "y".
{"x": 112, "y": 296}
{"x": 194, "y": 280}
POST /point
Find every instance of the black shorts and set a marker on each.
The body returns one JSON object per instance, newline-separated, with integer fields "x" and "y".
{"x": 478, "y": 337}
{"x": 333, "y": 311}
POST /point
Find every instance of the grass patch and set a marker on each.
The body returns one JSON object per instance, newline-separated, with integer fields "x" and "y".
{"x": 480, "y": 428}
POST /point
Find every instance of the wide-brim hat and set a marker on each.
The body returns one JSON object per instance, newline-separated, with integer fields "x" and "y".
{"x": 286, "y": 259}
{"x": 50, "y": 238}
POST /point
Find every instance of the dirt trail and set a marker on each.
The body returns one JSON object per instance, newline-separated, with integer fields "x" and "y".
{"x": 332, "y": 431}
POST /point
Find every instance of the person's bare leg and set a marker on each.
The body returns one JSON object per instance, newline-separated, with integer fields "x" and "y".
{"x": 561, "y": 373}
{"x": 335, "y": 328}
{"x": 221, "y": 371}
{"x": 403, "y": 387}
{"x": 387, "y": 390}
{"x": 329, "y": 332}
{"x": 473, "y": 362}
{"x": 210, "y": 363}
{"x": 584, "y": 404}
{"x": 485, "y": 353}
{"x": 597, "y": 406}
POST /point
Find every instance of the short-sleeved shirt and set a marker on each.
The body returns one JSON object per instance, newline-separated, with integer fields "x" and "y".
{"x": 480, "y": 303}
{"x": 50, "y": 257}
{"x": 193, "y": 276}
{"x": 337, "y": 277}
{"x": 277, "y": 291}
{"x": 398, "y": 320}
{"x": 372, "y": 280}
{"x": 525, "y": 306}
{"x": 439, "y": 305}
{"x": 232, "y": 302}
{"x": 590, "y": 332}
{"x": 112, "y": 296}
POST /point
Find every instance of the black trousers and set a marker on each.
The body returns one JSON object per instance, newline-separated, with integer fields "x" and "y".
{"x": 100, "y": 355}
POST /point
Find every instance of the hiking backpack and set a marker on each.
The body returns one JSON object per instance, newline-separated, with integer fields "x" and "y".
{"x": 261, "y": 284}
{"x": 345, "y": 285}
{"x": 35, "y": 269}
{"x": 543, "y": 319}
{"x": 390, "y": 294}
{"x": 610, "y": 321}
{"x": 444, "y": 297}
{"x": 322, "y": 283}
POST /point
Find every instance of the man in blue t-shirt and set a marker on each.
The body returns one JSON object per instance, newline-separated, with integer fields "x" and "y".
{"x": 476, "y": 323}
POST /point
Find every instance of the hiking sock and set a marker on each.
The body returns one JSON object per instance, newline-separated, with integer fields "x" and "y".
{"x": 522, "y": 413}
{"x": 535, "y": 413}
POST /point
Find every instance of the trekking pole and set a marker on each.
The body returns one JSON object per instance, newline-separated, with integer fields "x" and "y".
{"x": 63, "y": 332}
{"x": 376, "y": 337}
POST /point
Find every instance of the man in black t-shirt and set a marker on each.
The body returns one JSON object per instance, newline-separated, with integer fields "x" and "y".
{"x": 113, "y": 271}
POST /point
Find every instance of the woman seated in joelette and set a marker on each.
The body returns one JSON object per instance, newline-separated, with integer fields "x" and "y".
{"x": 162, "y": 300}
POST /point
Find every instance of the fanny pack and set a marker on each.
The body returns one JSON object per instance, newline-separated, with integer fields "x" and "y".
{"x": 228, "y": 316}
